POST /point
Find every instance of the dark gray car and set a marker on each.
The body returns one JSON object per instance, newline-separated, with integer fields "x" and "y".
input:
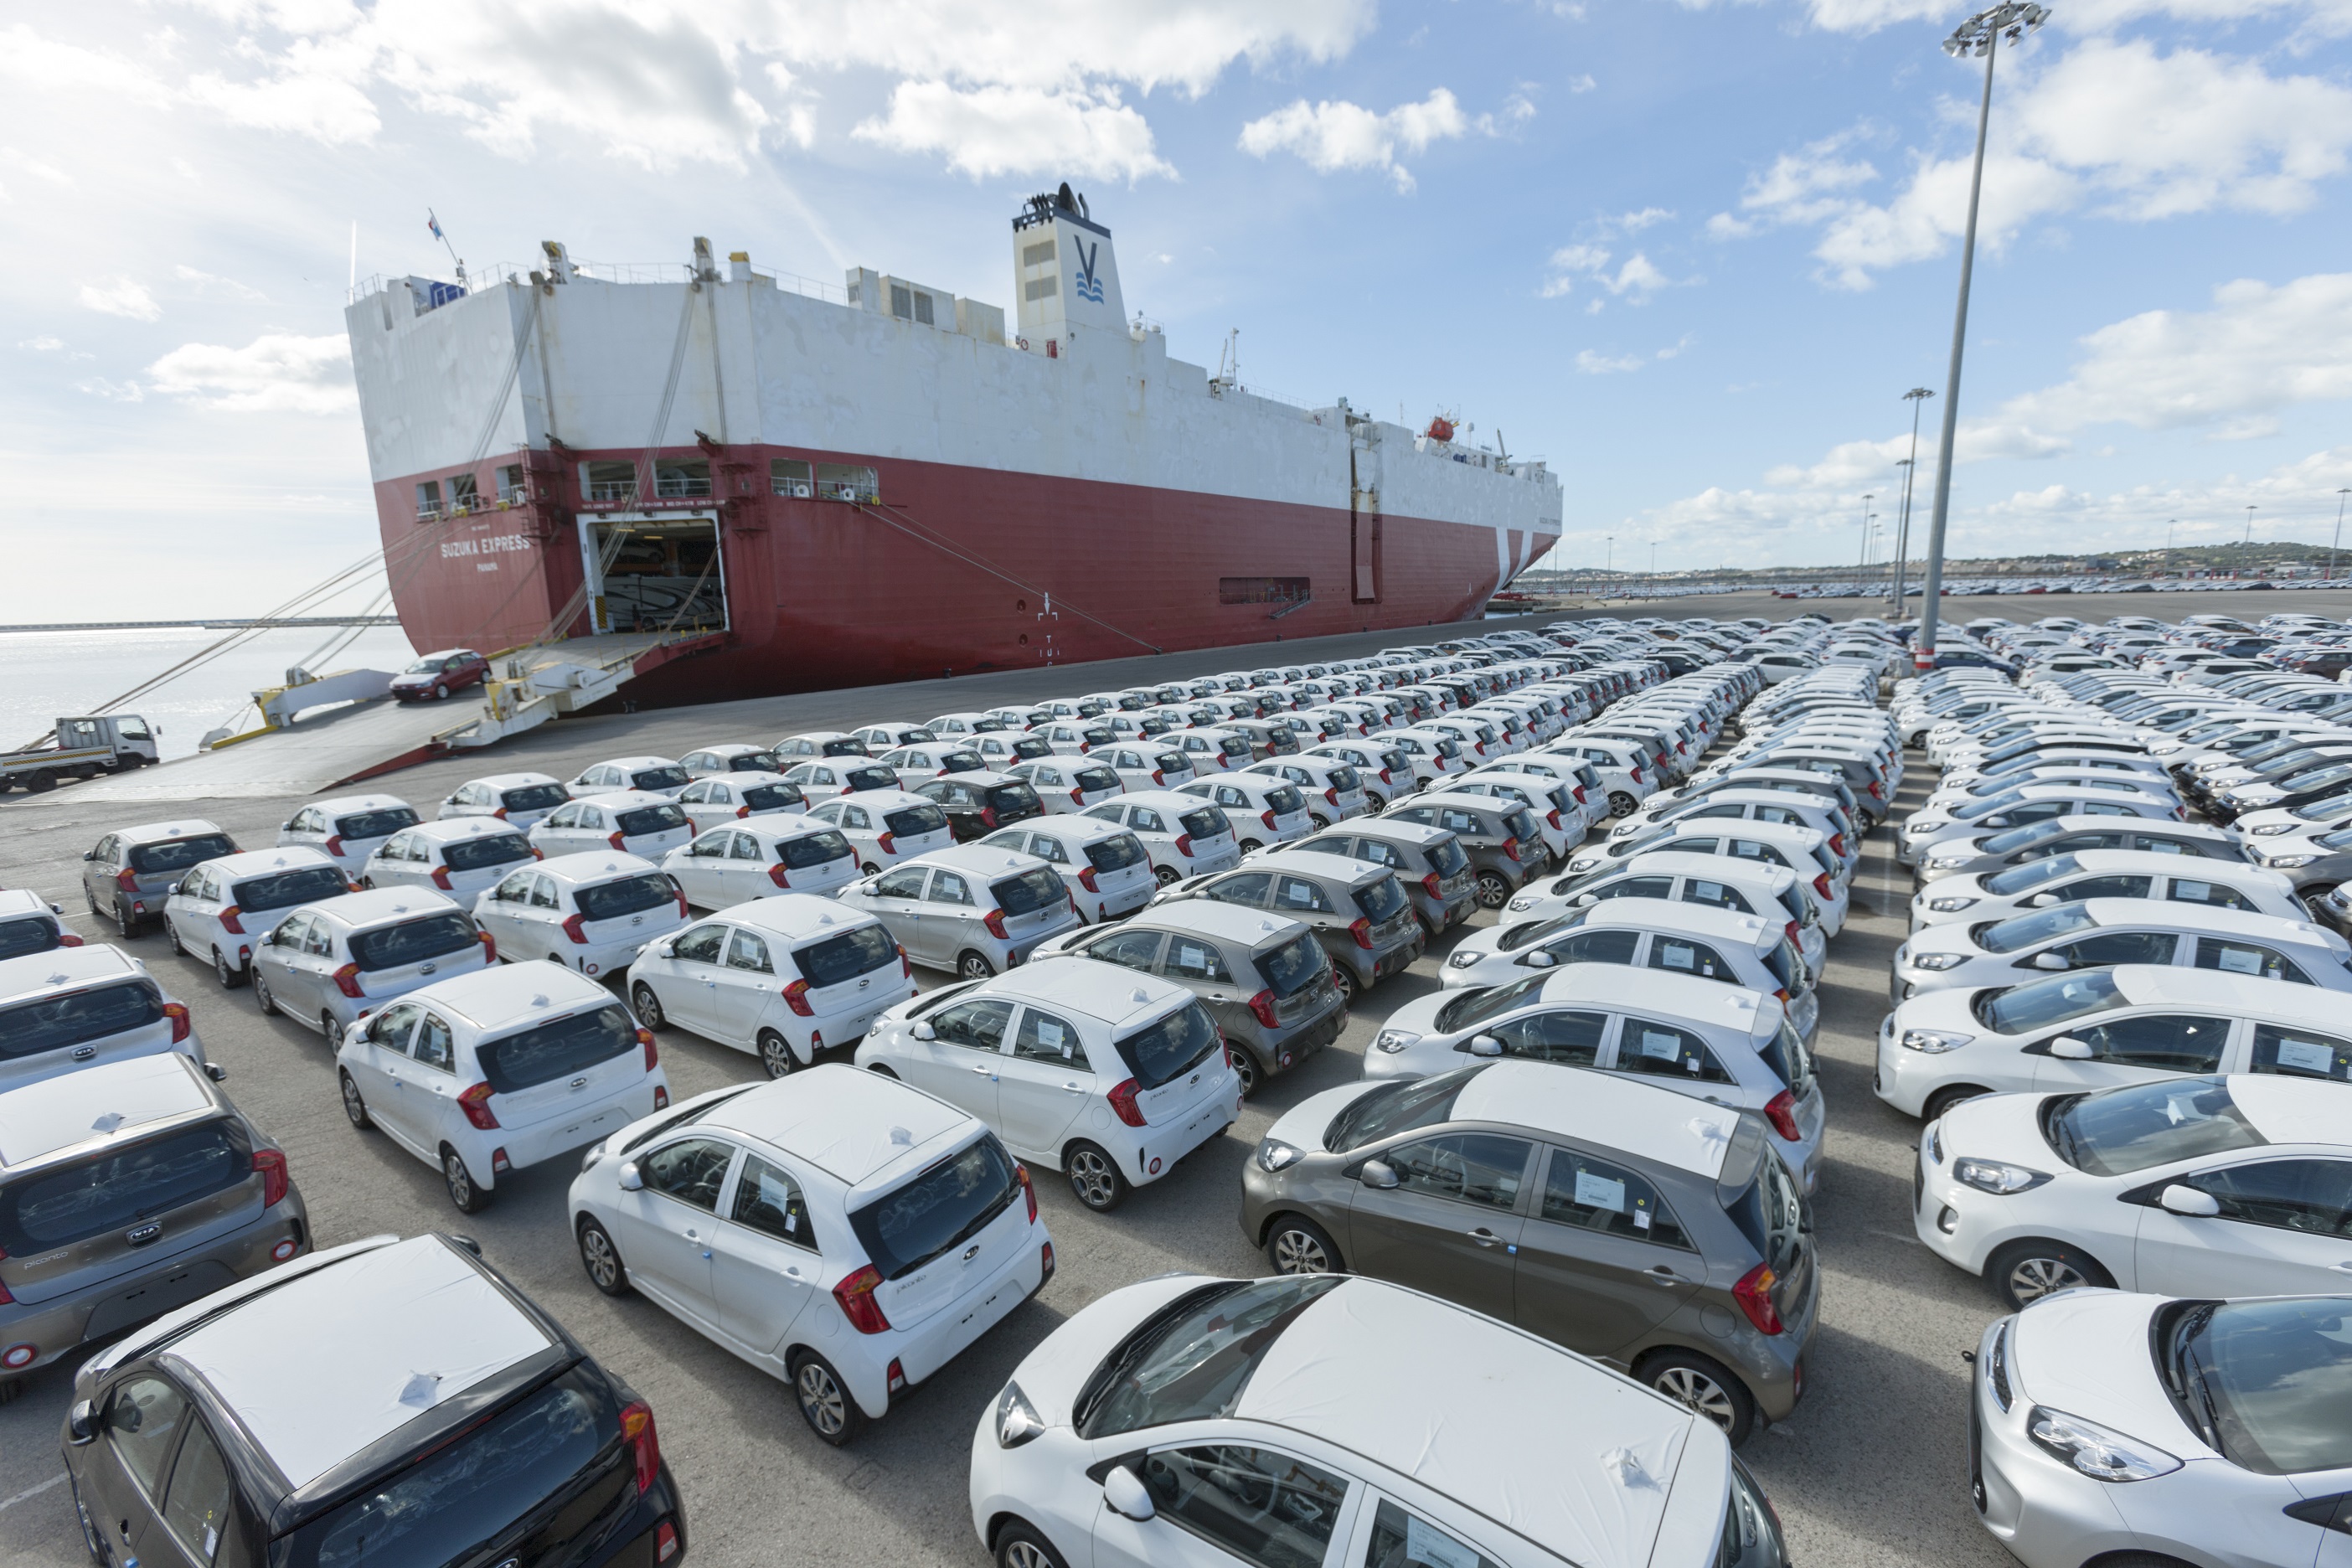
{"x": 1358, "y": 910}
{"x": 1264, "y": 978}
{"x": 1429, "y": 862}
{"x": 128, "y": 873}
{"x": 1502, "y": 837}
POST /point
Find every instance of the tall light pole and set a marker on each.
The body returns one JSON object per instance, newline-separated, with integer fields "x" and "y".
{"x": 2339, "y": 533}
{"x": 1864, "y": 560}
{"x": 1917, "y": 397}
{"x": 2169, "y": 527}
{"x": 2245, "y": 544}
{"x": 1981, "y": 35}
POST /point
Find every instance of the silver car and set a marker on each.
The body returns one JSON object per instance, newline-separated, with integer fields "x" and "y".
{"x": 1104, "y": 867}
{"x": 972, "y": 909}
{"x": 327, "y": 962}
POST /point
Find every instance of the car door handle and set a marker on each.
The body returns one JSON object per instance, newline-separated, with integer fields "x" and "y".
{"x": 1664, "y": 1276}
{"x": 1076, "y": 1088}
{"x": 1483, "y": 1237}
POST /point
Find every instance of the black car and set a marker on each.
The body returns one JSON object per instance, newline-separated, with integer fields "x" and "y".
{"x": 978, "y": 803}
{"x": 386, "y": 1402}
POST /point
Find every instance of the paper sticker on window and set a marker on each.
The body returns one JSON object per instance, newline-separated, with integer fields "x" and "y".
{"x": 1711, "y": 893}
{"x": 1434, "y": 1548}
{"x": 1298, "y": 890}
{"x": 1664, "y": 1046}
{"x": 1641, "y": 1219}
{"x": 1192, "y": 957}
{"x": 1600, "y": 1192}
{"x": 1678, "y": 956}
{"x": 2163, "y": 846}
{"x": 2192, "y": 892}
{"x": 1048, "y": 1032}
{"x": 2307, "y": 1056}
{"x": 2242, "y": 959}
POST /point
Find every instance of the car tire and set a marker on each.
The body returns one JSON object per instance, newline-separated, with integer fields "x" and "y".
{"x": 89, "y": 1537}
{"x": 440, "y": 692}
{"x": 1245, "y": 1068}
{"x": 126, "y": 924}
{"x": 1344, "y": 981}
{"x": 1944, "y": 1098}
{"x": 1020, "y": 1544}
{"x": 1297, "y": 1246}
{"x": 354, "y": 1108}
{"x": 971, "y": 965}
{"x": 229, "y": 978}
{"x": 1318, "y": 823}
{"x": 884, "y": 1071}
{"x": 470, "y": 1196}
{"x": 825, "y": 1402}
{"x": 602, "y": 1261}
{"x": 329, "y": 1030}
{"x": 2025, "y": 1271}
{"x": 870, "y": 869}
{"x": 172, "y": 940}
{"x": 776, "y": 1054}
{"x": 1251, "y": 846}
{"x": 1494, "y": 892}
{"x": 10, "y": 1387}
{"x": 261, "y": 996}
{"x": 1095, "y": 1178}
{"x": 1621, "y": 804}
{"x": 1705, "y": 1386}
{"x": 649, "y": 1007}
{"x": 1167, "y": 877}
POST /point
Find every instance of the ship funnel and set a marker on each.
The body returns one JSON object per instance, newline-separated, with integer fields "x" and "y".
{"x": 1066, "y": 275}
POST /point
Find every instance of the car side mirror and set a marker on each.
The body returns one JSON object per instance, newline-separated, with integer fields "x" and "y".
{"x": 1996, "y": 822}
{"x": 1378, "y": 1174}
{"x": 1586, "y": 900}
{"x": 632, "y": 1179}
{"x": 286, "y": 826}
{"x": 2041, "y": 900}
{"x": 216, "y": 1072}
{"x": 81, "y": 1423}
{"x": 2048, "y": 961}
{"x": 1486, "y": 1046}
{"x": 449, "y": 800}
{"x": 2066, "y": 1048}
{"x": 1127, "y": 1495}
{"x": 923, "y": 1031}
{"x": 1539, "y": 959}
{"x": 2181, "y": 1199}
{"x": 89, "y": 854}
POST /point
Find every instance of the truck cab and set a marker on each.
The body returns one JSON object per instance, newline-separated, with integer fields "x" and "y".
{"x": 81, "y": 749}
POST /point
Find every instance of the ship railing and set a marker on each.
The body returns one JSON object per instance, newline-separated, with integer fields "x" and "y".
{"x": 613, "y": 272}
{"x": 513, "y": 495}
{"x": 678, "y": 488}
{"x": 613, "y": 490}
{"x": 846, "y": 490}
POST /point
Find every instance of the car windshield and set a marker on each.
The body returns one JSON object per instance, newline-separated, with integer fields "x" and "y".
{"x": 1977, "y": 808}
{"x": 424, "y": 666}
{"x": 2033, "y": 874}
{"x": 2121, "y": 1130}
{"x": 1166, "y": 1050}
{"x": 491, "y": 849}
{"x": 627, "y": 896}
{"x": 375, "y": 824}
{"x": 558, "y": 1048}
{"x": 1294, "y": 965}
{"x": 179, "y": 854}
{"x": 413, "y": 942}
{"x": 1191, "y": 1360}
{"x": 1383, "y": 901}
{"x": 1528, "y": 933}
{"x": 1475, "y": 1008}
{"x": 2041, "y": 925}
{"x": 2025, "y": 837}
{"x": 283, "y": 889}
{"x": 846, "y": 956}
{"x": 944, "y": 1207}
{"x": 2039, "y": 1003}
{"x": 808, "y": 850}
{"x": 641, "y": 820}
{"x": 773, "y": 796}
{"x": 122, "y": 1187}
{"x": 1397, "y": 1107}
{"x": 2267, "y": 1383}
{"x": 535, "y": 797}
{"x": 54, "y": 1023}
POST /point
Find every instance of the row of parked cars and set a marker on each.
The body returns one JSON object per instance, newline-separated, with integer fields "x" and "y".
{"x": 2120, "y": 1019}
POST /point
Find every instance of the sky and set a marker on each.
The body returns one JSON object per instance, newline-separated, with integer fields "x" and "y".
{"x": 1692, "y": 252}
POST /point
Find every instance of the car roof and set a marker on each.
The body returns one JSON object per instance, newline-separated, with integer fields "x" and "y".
{"x": 1315, "y": 863}
{"x": 450, "y": 653}
{"x": 1076, "y": 825}
{"x": 343, "y": 802}
{"x": 2204, "y": 918}
{"x": 634, "y": 763}
{"x": 797, "y": 916}
{"x": 1419, "y": 834}
{"x": 780, "y": 826}
{"x": 1213, "y": 917}
{"x": 1160, "y": 799}
{"x": 1649, "y": 1120}
{"x": 24, "y": 900}
{"x": 2169, "y": 985}
{"x": 622, "y": 799}
{"x": 1109, "y": 993}
{"x": 2294, "y": 1110}
{"x": 151, "y": 832}
{"x": 1520, "y": 1431}
{"x": 288, "y": 858}
{"x": 595, "y": 866}
{"x": 449, "y": 829}
{"x": 1699, "y": 919}
{"x": 370, "y": 906}
{"x": 1455, "y": 797}
{"x": 101, "y": 1102}
{"x": 730, "y": 749}
{"x": 312, "y": 1400}
{"x": 979, "y": 860}
{"x": 512, "y": 780}
{"x": 858, "y": 1127}
{"x": 495, "y": 998}
{"x": 64, "y": 966}
{"x": 881, "y": 799}
{"x": 1681, "y": 996}
{"x": 2196, "y": 868}
{"x": 1713, "y": 868}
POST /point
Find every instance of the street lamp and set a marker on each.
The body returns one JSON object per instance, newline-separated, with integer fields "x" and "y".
{"x": 1915, "y": 397}
{"x": 2339, "y": 533}
{"x": 2245, "y": 544}
{"x": 2169, "y": 526}
{"x": 1864, "y": 560}
{"x": 1980, "y": 33}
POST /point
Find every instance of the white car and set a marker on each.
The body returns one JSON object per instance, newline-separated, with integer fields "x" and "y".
{"x": 841, "y": 775}
{"x": 591, "y": 912}
{"x": 1678, "y": 935}
{"x": 66, "y": 1009}
{"x": 968, "y": 724}
{"x": 1925, "y": 832}
{"x": 2101, "y": 1028}
{"x": 325, "y": 964}
{"x": 347, "y": 828}
{"x": 1104, "y": 867}
{"x": 1332, "y": 789}
{"x": 1151, "y": 764}
{"x": 819, "y": 743}
{"x": 221, "y": 909}
{"x": 782, "y": 978}
{"x": 886, "y": 826}
{"x": 918, "y": 764}
{"x": 1262, "y": 810}
{"x": 2104, "y": 874}
{"x": 1384, "y": 776}
{"x": 30, "y": 923}
{"x": 633, "y": 821}
{"x": 1211, "y": 749}
{"x": 459, "y": 857}
{"x": 762, "y": 857}
{"x": 843, "y": 1234}
{"x": 1802, "y": 850}
{"x": 732, "y": 796}
{"x": 1183, "y": 835}
{"x": 652, "y": 775}
{"x": 2114, "y": 1427}
{"x": 1433, "y": 754}
{"x": 1746, "y": 887}
{"x": 1070, "y": 783}
{"x": 2095, "y": 933}
{"x": 1000, "y": 749}
{"x": 519, "y": 800}
{"x": 730, "y": 757}
{"x": 1560, "y": 818}
{"x": 1106, "y": 1075}
{"x": 2190, "y": 1186}
{"x": 496, "y": 1071}
{"x": 1624, "y": 769}
{"x": 880, "y": 738}
{"x": 1169, "y": 1420}
{"x": 1070, "y": 737}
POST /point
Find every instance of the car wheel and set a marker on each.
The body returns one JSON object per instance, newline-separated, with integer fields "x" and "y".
{"x": 328, "y": 1029}
{"x": 1094, "y": 1177}
{"x": 1020, "y": 1545}
{"x": 971, "y": 965}
{"x": 354, "y": 1107}
{"x": 468, "y": 1195}
{"x": 2025, "y": 1271}
{"x": 648, "y": 1006}
{"x": 229, "y": 976}
{"x": 602, "y": 1259}
{"x": 885, "y": 1072}
{"x": 1251, "y": 846}
{"x": 261, "y": 996}
{"x": 172, "y": 939}
{"x": 1705, "y": 1386}
{"x": 1944, "y": 1098}
{"x": 1343, "y": 979}
{"x": 870, "y": 869}
{"x": 1621, "y": 804}
{"x": 825, "y": 1401}
{"x": 1317, "y": 822}
{"x": 440, "y": 692}
{"x": 1166, "y": 877}
{"x": 126, "y": 924}
{"x": 1245, "y": 1068}
{"x": 1494, "y": 892}
{"x": 776, "y": 1054}
{"x": 1297, "y": 1246}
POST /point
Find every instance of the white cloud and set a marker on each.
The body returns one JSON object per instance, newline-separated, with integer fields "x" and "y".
{"x": 994, "y": 131}
{"x": 120, "y": 296}
{"x": 112, "y": 390}
{"x": 1675, "y": 349}
{"x": 1637, "y": 276}
{"x": 43, "y": 345}
{"x": 1593, "y": 363}
{"x": 1635, "y": 222}
{"x": 1583, "y": 83}
{"x": 1335, "y": 135}
{"x": 206, "y": 282}
{"x": 275, "y": 371}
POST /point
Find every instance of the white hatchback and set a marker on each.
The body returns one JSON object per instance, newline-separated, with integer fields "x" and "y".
{"x": 1183, "y": 835}
{"x": 67, "y": 1008}
{"x": 1333, "y": 791}
{"x": 1262, "y": 810}
{"x": 732, "y": 796}
{"x": 459, "y": 857}
{"x": 1103, "y": 866}
{"x": 222, "y": 908}
{"x": 594, "y": 912}
{"x": 652, "y": 775}
{"x": 762, "y": 859}
{"x": 1157, "y": 763}
{"x": 325, "y": 964}
{"x": 519, "y": 800}
{"x": 886, "y": 826}
{"x": 348, "y": 828}
{"x": 632, "y": 821}
{"x": 1069, "y": 783}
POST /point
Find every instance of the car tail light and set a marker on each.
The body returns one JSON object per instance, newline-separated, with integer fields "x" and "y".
{"x": 777, "y": 874}
{"x": 441, "y": 875}
{"x": 500, "y": 814}
{"x": 178, "y": 1012}
{"x": 1156, "y": 777}
{"x": 335, "y": 844}
{"x": 476, "y": 1103}
{"x": 617, "y": 839}
{"x": 1045, "y": 1262}
{"x": 994, "y": 922}
{"x": 1267, "y": 817}
{"x": 988, "y": 817}
{"x": 1332, "y": 795}
{"x": 1511, "y": 848}
{"x": 537, "y": 853}
{"x": 1185, "y": 845}
{"x": 490, "y": 947}
{"x": 653, "y": 1052}
{"x": 269, "y": 1164}
{"x": 906, "y": 964}
{"x": 575, "y": 926}
{"x": 683, "y": 910}
{"x": 230, "y": 922}
{"x": 67, "y": 939}
{"x": 1262, "y": 1005}
{"x": 127, "y": 881}
{"x": 645, "y": 1444}
{"x": 855, "y": 1296}
{"x": 1384, "y": 775}
{"x": 665, "y": 1540}
{"x": 1554, "y": 817}
{"x": 1822, "y": 884}
{"x": 1781, "y": 1110}
{"x": 796, "y": 998}
{"x": 1362, "y": 931}
{"x": 1634, "y": 773}
{"x": 1794, "y": 934}
{"x": 1754, "y": 1294}
{"x": 347, "y": 981}
{"x": 885, "y": 844}
{"x": 1876, "y": 792}
{"x": 1837, "y": 845}
{"x": 1122, "y": 1102}
{"x": 1028, "y": 1190}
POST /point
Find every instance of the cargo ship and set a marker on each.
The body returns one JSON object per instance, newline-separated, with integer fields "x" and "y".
{"x": 819, "y": 486}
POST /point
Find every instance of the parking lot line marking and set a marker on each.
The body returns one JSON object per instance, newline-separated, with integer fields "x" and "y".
{"x": 32, "y": 1491}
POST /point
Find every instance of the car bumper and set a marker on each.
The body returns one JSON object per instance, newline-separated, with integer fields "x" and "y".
{"x": 2046, "y": 1513}
{"x": 1118, "y": 906}
{"x": 924, "y": 1350}
{"x": 1158, "y": 1151}
{"x": 545, "y": 1139}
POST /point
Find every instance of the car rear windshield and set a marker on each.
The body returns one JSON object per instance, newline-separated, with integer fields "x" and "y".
{"x": 2042, "y": 925}
{"x": 179, "y": 854}
{"x": 442, "y": 1507}
{"x": 122, "y": 1187}
{"x": 1116, "y": 854}
{"x": 1283, "y": 800}
{"x": 34, "y": 933}
{"x": 645, "y": 819}
{"x": 2266, "y": 1383}
{"x": 871, "y": 778}
{"x": 1397, "y": 1106}
{"x": 1028, "y": 748}
{"x": 413, "y": 942}
{"x": 1786, "y": 1055}
{"x": 500, "y": 848}
{"x": 1381, "y": 900}
{"x": 944, "y": 1207}
{"x": 1013, "y": 800}
{"x": 846, "y": 746}
{"x": 2121, "y": 1130}
{"x": 627, "y": 896}
{"x": 1166, "y": 1050}
{"x": 1766, "y": 1206}
{"x": 1294, "y": 965}
{"x": 661, "y": 778}
{"x": 1522, "y": 824}
{"x": 535, "y": 797}
{"x": 1094, "y": 778}
{"x": 961, "y": 763}
{"x": 846, "y": 956}
{"x": 1192, "y": 1359}
{"x": 1028, "y": 892}
{"x": 810, "y": 850}
{"x": 1344, "y": 779}
{"x": 558, "y": 1048}
{"x": 375, "y": 824}
{"x": 913, "y": 821}
{"x": 54, "y": 1022}
{"x": 774, "y": 797}
{"x": 1206, "y": 821}
{"x": 1447, "y": 858}
{"x": 755, "y": 762}
{"x": 283, "y": 889}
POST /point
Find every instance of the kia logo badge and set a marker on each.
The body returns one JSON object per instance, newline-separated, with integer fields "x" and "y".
{"x": 426, "y": 968}
{"x": 580, "y": 1083}
{"x": 143, "y": 1233}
